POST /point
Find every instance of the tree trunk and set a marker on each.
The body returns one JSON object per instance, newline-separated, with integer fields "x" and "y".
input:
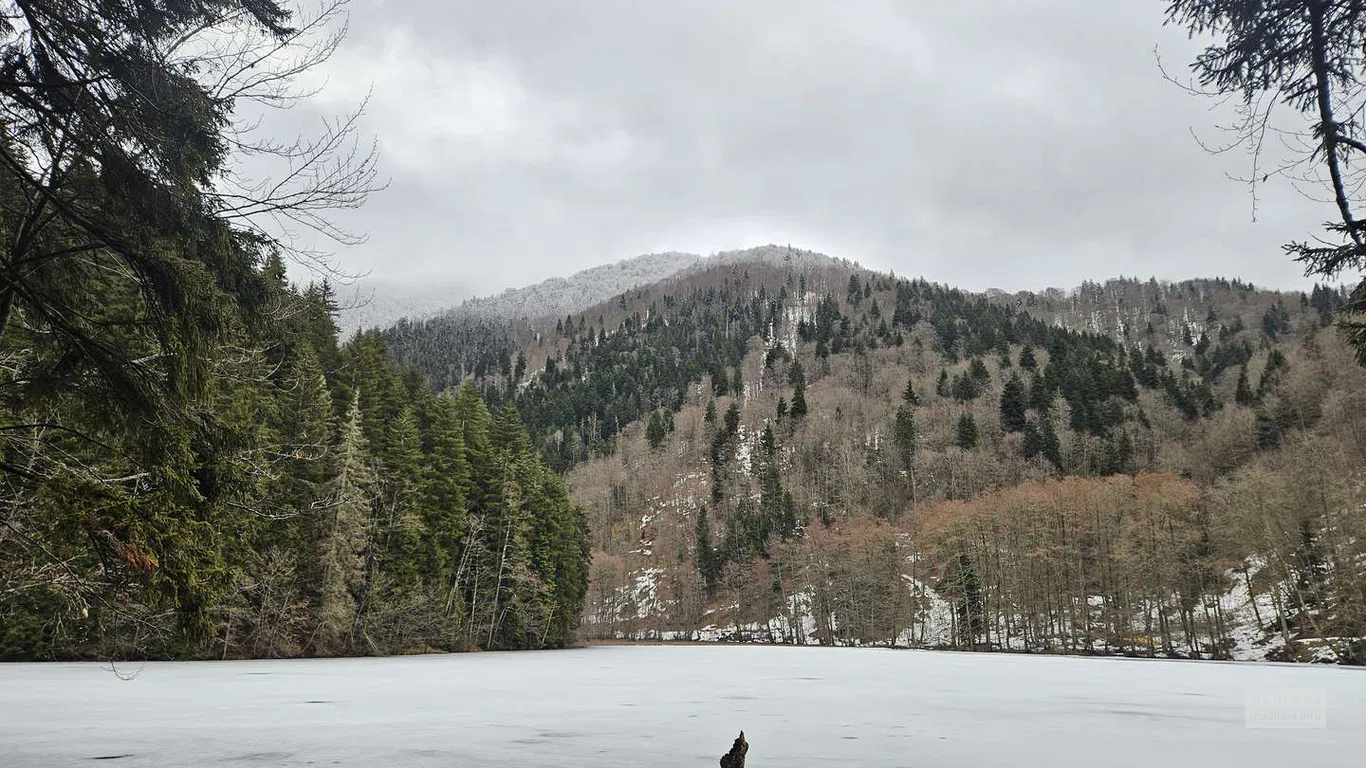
{"x": 735, "y": 758}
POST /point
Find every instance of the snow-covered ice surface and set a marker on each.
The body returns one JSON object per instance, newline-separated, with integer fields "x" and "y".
{"x": 671, "y": 706}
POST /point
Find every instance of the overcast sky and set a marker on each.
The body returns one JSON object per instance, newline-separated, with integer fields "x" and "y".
{"x": 1033, "y": 144}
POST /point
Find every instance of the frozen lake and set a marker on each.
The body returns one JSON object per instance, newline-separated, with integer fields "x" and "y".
{"x": 670, "y": 706}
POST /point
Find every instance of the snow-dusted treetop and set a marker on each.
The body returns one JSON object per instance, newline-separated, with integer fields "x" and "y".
{"x": 564, "y": 295}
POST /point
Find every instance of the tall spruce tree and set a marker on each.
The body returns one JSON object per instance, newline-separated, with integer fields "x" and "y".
{"x": 1013, "y": 404}
{"x": 966, "y": 434}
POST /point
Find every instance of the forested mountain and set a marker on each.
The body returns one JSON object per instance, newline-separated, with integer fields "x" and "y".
{"x": 376, "y": 303}
{"x": 484, "y": 335}
{"x": 559, "y": 295}
{"x": 819, "y": 453}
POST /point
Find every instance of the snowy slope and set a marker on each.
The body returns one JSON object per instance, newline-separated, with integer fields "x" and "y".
{"x": 563, "y": 295}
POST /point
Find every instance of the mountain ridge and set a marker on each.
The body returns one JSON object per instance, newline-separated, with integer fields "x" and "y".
{"x": 672, "y": 409}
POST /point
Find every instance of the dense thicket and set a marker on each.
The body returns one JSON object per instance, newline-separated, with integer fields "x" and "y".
{"x": 189, "y": 464}
{"x": 325, "y": 504}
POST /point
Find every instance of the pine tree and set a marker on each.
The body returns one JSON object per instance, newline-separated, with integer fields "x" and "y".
{"x": 1051, "y": 448}
{"x": 798, "y": 378}
{"x": 904, "y": 435}
{"x": 1013, "y": 404}
{"x": 655, "y": 431}
{"x": 732, "y": 419}
{"x": 908, "y": 395}
{"x": 710, "y": 416}
{"x": 941, "y": 387}
{"x": 1033, "y": 441}
{"x": 341, "y": 534}
{"x": 401, "y": 527}
{"x": 1027, "y": 360}
{"x": 1243, "y": 395}
{"x": 978, "y": 370}
{"x": 966, "y": 388}
{"x": 967, "y": 435}
{"x": 968, "y": 606}
{"x": 1040, "y": 395}
{"x": 446, "y": 482}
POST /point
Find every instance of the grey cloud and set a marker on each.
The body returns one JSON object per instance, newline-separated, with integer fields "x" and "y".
{"x": 1029, "y": 145}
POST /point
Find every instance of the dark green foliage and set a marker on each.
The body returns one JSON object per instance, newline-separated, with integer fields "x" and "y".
{"x": 908, "y": 395}
{"x": 339, "y": 510}
{"x": 904, "y": 435}
{"x": 1276, "y": 321}
{"x": 978, "y": 371}
{"x": 1275, "y": 362}
{"x": 732, "y": 420}
{"x": 967, "y": 604}
{"x": 707, "y": 558}
{"x": 1013, "y": 404}
{"x": 798, "y": 409}
{"x": 575, "y": 410}
{"x": 655, "y": 429}
{"x": 1041, "y": 439}
{"x": 1244, "y": 395}
{"x": 966, "y": 387}
{"x": 941, "y": 386}
{"x": 1327, "y": 301}
{"x": 966, "y": 434}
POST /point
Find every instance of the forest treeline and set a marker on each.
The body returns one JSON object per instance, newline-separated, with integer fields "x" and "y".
{"x": 191, "y": 465}
{"x": 872, "y": 398}
{"x": 322, "y": 503}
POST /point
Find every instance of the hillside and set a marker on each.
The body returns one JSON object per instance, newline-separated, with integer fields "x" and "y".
{"x": 819, "y": 453}
{"x": 372, "y": 303}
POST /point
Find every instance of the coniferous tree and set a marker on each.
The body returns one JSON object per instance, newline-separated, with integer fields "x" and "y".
{"x": 341, "y": 535}
{"x": 968, "y": 606}
{"x": 904, "y": 435}
{"x": 966, "y": 434}
{"x": 908, "y": 395}
{"x": 1243, "y": 395}
{"x": 942, "y": 387}
{"x": 732, "y": 419}
{"x": 1051, "y": 446}
{"x": 655, "y": 429}
{"x": 798, "y": 379}
{"x": 966, "y": 388}
{"x": 1013, "y": 404}
{"x": 978, "y": 370}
